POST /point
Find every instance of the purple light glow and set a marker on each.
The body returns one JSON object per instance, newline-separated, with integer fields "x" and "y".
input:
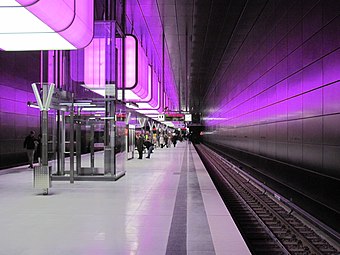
{"x": 94, "y": 66}
{"x": 14, "y": 101}
{"x": 130, "y": 61}
{"x": 284, "y": 102}
{"x": 137, "y": 72}
{"x": 153, "y": 101}
{"x": 142, "y": 18}
{"x": 119, "y": 58}
{"x": 76, "y": 26}
{"x": 38, "y": 25}
{"x": 42, "y": 9}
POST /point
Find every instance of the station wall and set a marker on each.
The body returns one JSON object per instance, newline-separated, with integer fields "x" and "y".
{"x": 277, "y": 105}
{"x": 17, "y": 72}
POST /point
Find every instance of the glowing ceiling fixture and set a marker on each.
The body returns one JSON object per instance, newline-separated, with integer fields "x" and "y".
{"x": 37, "y": 24}
{"x": 93, "y": 109}
{"x": 136, "y": 70}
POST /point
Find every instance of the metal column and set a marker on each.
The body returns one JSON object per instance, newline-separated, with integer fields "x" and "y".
{"x": 72, "y": 142}
{"x": 78, "y": 148}
{"x": 92, "y": 147}
{"x": 44, "y": 129}
{"x": 42, "y": 173}
{"x": 61, "y": 152}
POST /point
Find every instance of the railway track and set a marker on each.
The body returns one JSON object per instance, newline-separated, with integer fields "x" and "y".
{"x": 268, "y": 226}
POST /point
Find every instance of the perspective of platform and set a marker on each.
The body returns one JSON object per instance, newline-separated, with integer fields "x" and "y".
{"x": 95, "y": 94}
{"x": 164, "y": 205}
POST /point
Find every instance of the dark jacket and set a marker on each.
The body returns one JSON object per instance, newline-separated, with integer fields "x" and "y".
{"x": 148, "y": 144}
{"x": 29, "y": 142}
{"x": 139, "y": 143}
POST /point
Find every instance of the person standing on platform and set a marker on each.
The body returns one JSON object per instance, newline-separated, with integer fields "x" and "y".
{"x": 29, "y": 145}
{"x": 169, "y": 140}
{"x": 166, "y": 140}
{"x": 174, "y": 139}
{"x": 161, "y": 141}
{"x": 140, "y": 145}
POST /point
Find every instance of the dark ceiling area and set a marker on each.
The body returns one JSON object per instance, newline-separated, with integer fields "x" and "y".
{"x": 219, "y": 29}
{"x": 203, "y": 37}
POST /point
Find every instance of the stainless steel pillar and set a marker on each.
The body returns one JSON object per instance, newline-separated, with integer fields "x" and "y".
{"x": 113, "y": 141}
{"x": 72, "y": 143}
{"x": 44, "y": 129}
{"x": 78, "y": 148}
{"x": 92, "y": 147}
{"x": 61, "y": 142}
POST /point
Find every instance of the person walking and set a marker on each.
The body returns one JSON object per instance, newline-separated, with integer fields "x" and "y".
{"x": 29, "y": 145}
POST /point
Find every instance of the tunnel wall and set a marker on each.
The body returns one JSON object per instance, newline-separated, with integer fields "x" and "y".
{"x": 17, "y": 72}
{"x": 278, "y": 101}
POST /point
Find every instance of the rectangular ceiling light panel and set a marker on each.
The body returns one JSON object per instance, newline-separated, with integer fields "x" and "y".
{"x": 45, "y": 24}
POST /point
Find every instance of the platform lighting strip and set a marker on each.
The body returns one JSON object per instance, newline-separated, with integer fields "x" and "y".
{"x": 92, "y": 109}
{"x": 76, "y": 104}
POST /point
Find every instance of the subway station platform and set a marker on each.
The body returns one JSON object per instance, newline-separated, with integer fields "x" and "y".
{"x": 163, "y": 205}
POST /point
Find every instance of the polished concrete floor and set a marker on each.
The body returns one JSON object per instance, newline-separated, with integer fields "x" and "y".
{"x": 163, "y": 205}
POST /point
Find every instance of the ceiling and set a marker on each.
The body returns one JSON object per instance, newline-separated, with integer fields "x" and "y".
{"x": 202, "y": 37}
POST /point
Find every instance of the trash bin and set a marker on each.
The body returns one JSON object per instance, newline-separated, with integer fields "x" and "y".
{"x": 42, "y": 178}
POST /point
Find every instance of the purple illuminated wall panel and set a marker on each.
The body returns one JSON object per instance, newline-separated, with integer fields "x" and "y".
{"x": 148, "y": 28}
{"x": 284, "y": 102}
{"x": 17, "y": 72}
{"x": 136, "y": 69}
{"x": 141, "y": 89}
{"x": 155, "y": 100}
{"x": 119, "y": 58}
{"x": 95, "y": 63}
{"x": 131, "y": 60}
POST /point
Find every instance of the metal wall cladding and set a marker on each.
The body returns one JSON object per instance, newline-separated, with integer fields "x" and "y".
{"x": 284, "y": 103}
{"x": 17, "y": 72}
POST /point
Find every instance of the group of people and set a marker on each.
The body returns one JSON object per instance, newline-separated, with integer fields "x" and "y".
{"x": 33, "y": 147}
{"x": 140, "y": 143}
{"x": 165, "y": 140}
{"x": 149, "y": 142}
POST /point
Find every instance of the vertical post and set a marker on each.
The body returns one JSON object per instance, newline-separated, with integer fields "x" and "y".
{"x": 44, "y": 129}
{"x": 58, "y": 142}
{"x": 72, "y": 141}
{"x": 62, "y": 143}
{"x": 92, "y": 147}
{"x": 78, "y": 148}
{"x": 186, "y": 70}
{"x": 163, "y": 71}
{"x": 42, "y": 173}
{"x": 113, "y": 137}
